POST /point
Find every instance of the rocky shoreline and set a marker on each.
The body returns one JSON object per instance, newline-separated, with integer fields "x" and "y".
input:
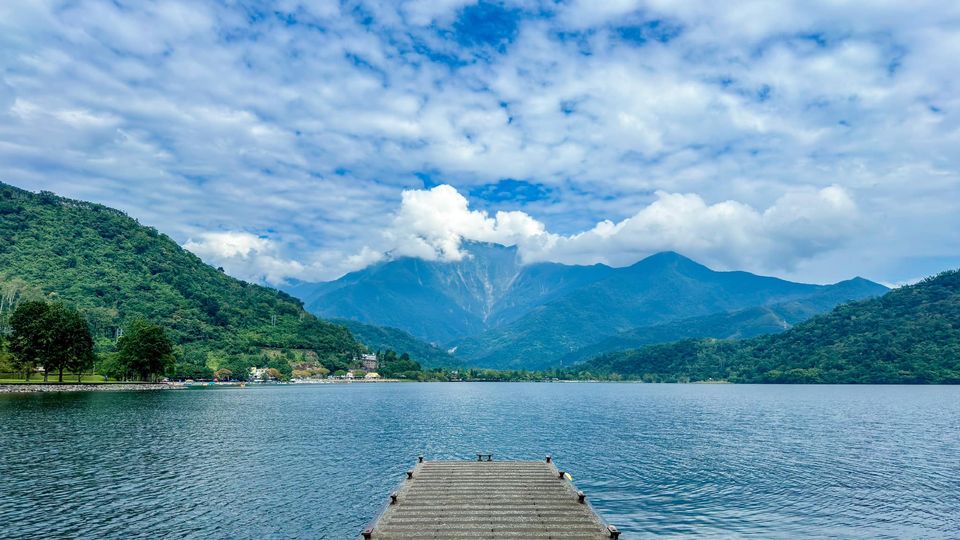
{"x": 85, "y": 387}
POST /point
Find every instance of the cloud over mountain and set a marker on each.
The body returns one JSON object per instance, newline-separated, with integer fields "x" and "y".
{"x": 430, "y": 224}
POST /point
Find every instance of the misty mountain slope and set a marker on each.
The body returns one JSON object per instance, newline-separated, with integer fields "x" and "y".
{"x": 410, "y": 294}
{"x": 659, "y": 289}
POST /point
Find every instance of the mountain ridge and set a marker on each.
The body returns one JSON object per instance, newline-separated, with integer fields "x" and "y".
{"x": 494, "y": 311}
{"x": 451, "y": 299}
{"x": 656, "y": 290}
{"x": 908, "y": 335}
{"x": 740, "y": 324}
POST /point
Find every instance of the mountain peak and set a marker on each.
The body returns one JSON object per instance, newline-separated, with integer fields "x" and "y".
{"x": 861, "y": 283}
{"x": 667, "y": 256}
{"x": 668, "y": 259}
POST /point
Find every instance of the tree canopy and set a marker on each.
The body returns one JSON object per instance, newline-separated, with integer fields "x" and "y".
{"x": 144, "y": 350}
{"x": 53, "y": 336}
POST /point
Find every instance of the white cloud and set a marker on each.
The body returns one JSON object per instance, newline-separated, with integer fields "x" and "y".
{"x": 430, "y": 224}
{"x": 801, "y": 224}
{"x": 260, "y": 259}
{"x": 229, "y": 244}
{"x": 433, "y": 224}
{"x": 246, "y": 255}
{"x": 424, "y": 12}
{"x": 307, "y": 120}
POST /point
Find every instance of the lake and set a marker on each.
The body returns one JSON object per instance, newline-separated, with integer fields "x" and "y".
{"x": 318, "y": 461}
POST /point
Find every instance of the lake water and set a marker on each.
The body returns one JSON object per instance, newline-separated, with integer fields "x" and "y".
{"x": 319, "y": 461}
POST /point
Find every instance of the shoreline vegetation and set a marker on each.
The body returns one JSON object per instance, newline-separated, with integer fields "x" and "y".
{"x": 39, "y": 386}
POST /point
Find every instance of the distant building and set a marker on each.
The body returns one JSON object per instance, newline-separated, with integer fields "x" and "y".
{"x": 369, "y": 362}
{"x": 259, "y": 373}
{"x": 372, "y": 375}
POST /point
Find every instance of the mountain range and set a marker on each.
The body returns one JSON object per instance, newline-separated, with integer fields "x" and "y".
{"x": 492, "y": 310}
{"x": 665, "y": 318}
{"x": 911, "y": 335}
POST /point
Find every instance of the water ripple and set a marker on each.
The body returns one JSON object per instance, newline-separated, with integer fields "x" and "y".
{"x": 318, "y": 461}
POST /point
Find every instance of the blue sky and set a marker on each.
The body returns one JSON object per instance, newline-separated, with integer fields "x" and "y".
{"x": 810, "y": 140}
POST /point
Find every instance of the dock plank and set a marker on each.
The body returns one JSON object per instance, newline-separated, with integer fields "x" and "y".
{"x": 490, "y": 500}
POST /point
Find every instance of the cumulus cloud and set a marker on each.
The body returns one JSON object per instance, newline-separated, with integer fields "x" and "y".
{"x": 728, "y": 234}
{"x": 304, "y": 122}
{"x": 431, "y": 224}
{"x": 803, "y": 223}
{"x": 246, "y": 255}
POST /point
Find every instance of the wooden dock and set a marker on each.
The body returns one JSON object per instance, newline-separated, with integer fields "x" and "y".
{"x": 490, "y": 500}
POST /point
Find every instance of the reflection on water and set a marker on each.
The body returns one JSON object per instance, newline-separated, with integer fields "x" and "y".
{"x": 318, "y": 461}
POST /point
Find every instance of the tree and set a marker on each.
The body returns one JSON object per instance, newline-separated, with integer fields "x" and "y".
{"x": 54, "y": 336}
{"x": 29, "y": 338}
{"x": 282, "y": 367}
{"x": 144, "y": 350}
{"x": 70, "y": 344}
{"x": 401, "y": 367}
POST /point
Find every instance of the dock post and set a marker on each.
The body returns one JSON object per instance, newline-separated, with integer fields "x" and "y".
{"x": 581, "y": 497}
{"x": 367, "y": 533}
{"x": 614, "y": 532}
{"x": 419, "y": 459}
{"x": 409, "y": 475}
{"x": 549, "y": 458}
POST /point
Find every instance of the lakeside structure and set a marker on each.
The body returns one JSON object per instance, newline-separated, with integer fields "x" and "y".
{"x": 369, "y": 362}
{"x": 85, "y": 387}
{"x": 490, "y": 500}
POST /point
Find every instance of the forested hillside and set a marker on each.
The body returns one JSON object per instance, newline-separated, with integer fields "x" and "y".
{"x": 115, "y": 269}
{"x": 909, "y": 335}
{"x": 383, "y": 338}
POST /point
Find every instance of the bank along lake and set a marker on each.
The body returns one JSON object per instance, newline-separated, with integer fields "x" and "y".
{"x": 318, "y": 461}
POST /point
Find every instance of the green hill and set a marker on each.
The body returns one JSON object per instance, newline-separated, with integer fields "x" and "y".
{"x": 114, "y": 269}
{"x": 909, "y": 335}
{"x": 383, "y": 338}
